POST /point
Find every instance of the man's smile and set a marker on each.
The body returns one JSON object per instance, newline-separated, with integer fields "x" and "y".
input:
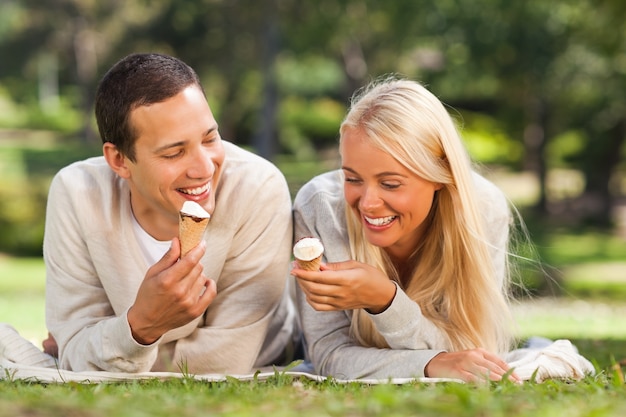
{"x": 197, "y": 190}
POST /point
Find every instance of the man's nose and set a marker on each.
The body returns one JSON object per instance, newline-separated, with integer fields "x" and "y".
{"x": 202, "y": 165}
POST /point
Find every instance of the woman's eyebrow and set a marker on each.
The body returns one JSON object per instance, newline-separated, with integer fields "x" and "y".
{"x": 380, "y": 174}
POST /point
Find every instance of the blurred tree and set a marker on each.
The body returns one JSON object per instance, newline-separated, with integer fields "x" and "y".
{"x": 279, "y": 73}
{"x": 77, "y": 34}
{"x": 509, "y": 60}
{"x": 593, "y": 101}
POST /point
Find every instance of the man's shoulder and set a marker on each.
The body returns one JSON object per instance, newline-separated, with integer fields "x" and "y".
{"x": 248, "y": 166}
{"x": 96, "y": 165}
{"x": 239, "y": 155}
{"x": 87, "y": 174}
{"x": 250, "y": 180}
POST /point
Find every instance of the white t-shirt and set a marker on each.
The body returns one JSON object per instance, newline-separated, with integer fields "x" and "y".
{"x": 152, "y": 249}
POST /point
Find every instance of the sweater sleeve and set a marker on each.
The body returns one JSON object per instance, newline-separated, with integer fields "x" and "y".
{"x": 250, "y": 287}
{"x": 319, "y": 212}
{"x": 79, "y": 313}
{"x": 404, "y": 326}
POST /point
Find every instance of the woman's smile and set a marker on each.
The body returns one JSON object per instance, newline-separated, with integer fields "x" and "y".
{"x": 379, "y": 221}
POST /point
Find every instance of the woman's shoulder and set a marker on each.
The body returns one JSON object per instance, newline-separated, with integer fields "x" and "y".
{"x": 327, "y": 186}
{"x": 486, "y": 188}
{"x": 319, "y": 210}
{"x": 490, "y": 197}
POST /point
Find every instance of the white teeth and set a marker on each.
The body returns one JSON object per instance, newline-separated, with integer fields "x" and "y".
{"x": 195, "y": 191}
{"x": 381, "y": 221}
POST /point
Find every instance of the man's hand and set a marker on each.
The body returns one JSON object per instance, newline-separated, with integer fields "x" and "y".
{"x": 474, "y": 365}
{"x": 173, "y": 293}
{"x": 50, "y": 346}
{"x": 346, "y": 286}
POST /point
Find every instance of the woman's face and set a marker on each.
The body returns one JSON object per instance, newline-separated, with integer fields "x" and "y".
{"x": 390, "y": 201}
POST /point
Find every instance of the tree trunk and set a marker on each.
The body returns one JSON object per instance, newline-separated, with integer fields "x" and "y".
{"x": 86, "y": 71}
{"x": 597, "y": 199}
{"x": 266, "y": 136}
{"x": 534, "y": 147}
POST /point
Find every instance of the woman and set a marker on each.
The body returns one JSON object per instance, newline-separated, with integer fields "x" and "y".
{"x": 415, "y": 278}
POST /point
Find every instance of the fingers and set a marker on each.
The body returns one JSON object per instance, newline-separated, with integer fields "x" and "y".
{"x": 496, "y": 368}
{"x": 322, "y": 302}
{"x": 169, "y": 259}
{"x": 316, "y": 297}
{"x": 346, "y": 285}
{"x": 173, "y": 293}
{"x": 320, "y": 294}
{"x": 321, "y": 288}
{"x": 335, "y": 266}
{"x": 474, "y": 365}
{"x": 194, "y": 255}
{"x": 207, "y": 293}
{"x": 180, "y": 269}
{"x": 309, "y": 276}
{"x": 338, "y": 266}
{"x": 50, "y": 346}
{"x": 487, "y": 366}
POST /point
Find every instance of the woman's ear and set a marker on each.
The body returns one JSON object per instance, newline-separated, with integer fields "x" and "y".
{"x": 116, "y": 160}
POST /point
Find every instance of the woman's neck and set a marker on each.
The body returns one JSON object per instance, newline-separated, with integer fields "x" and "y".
{"x": 404, "y": 269}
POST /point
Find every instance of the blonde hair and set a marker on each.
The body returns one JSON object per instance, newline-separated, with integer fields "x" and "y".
{"x": 454, "y": 280}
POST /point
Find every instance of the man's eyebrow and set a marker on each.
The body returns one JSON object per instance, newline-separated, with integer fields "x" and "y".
{"x": 182, "y": 142}
{"x": 169, "y": 146}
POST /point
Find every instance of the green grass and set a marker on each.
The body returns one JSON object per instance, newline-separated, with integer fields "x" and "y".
{"x": 286, "y": 396}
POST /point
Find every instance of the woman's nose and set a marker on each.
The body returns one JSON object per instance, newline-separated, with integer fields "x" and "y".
{"x": 370, "y": 198}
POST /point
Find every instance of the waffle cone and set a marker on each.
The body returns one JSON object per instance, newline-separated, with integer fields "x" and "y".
{"x": 312, "y": 265}
{"x": 191, "y": 231}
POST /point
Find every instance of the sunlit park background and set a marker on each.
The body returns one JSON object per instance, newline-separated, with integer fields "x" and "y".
{"x": 537, "y": 88}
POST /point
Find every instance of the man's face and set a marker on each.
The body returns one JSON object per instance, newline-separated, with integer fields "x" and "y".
{"x": 179, "y": 156}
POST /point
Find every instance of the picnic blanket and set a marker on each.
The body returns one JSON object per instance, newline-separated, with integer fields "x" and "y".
{"x": 22, "y": 360}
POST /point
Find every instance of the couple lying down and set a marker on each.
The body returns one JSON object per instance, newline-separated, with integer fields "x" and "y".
{"x": 414, "y": 280}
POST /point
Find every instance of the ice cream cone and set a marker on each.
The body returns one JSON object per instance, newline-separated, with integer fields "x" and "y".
{"x": 192, "y": 224}
{"x": 308, "y": 253}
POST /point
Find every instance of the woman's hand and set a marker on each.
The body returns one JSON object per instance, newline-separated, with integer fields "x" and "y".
{"x": 474, "y": 365}
{"x": 346, "y": 286}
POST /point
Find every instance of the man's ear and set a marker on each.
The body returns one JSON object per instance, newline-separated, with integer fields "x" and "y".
{"x": 116, "y": 160}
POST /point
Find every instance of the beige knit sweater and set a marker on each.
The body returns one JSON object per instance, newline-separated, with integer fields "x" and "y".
{"x": 95, "y": 266}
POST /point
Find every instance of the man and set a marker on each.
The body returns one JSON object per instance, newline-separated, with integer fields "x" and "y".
{"x": 118, "y": 298}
